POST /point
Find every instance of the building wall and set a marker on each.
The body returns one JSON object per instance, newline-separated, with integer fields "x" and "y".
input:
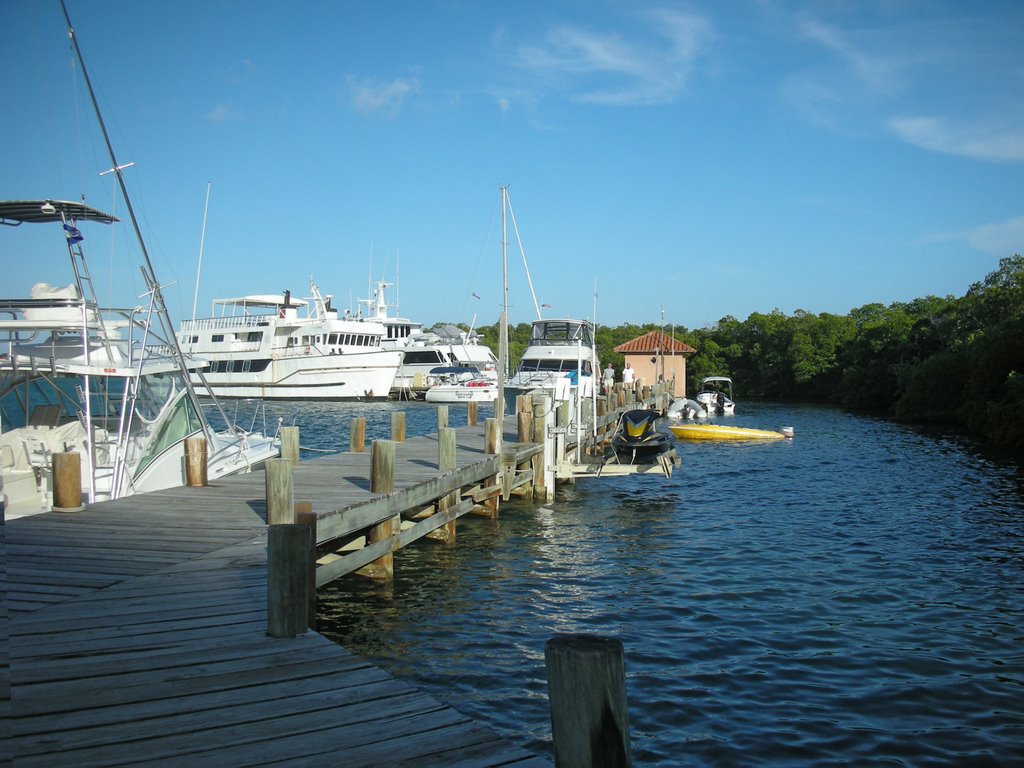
{"x": 650, "y": 373}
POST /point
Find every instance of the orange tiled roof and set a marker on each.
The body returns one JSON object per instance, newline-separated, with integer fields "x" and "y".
{"x": 654, "y": 341}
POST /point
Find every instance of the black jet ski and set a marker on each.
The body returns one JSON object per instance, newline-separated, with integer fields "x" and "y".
{"x": 637, "y": 439}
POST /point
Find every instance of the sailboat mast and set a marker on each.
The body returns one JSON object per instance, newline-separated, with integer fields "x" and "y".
{"x": 499, "y": 404}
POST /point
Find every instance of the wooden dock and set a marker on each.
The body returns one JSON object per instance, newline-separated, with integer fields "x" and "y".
{"x": 136, "y": 631}
{"x": 137, "y": 635}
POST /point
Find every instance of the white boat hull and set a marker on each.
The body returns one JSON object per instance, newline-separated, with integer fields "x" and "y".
{"x": 313, "y": 377}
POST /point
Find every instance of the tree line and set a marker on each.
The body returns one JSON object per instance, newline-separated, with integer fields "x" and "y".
{"x": 935, "y": 360}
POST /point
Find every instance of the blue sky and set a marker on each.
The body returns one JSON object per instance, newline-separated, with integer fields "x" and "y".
{"x": 708, "y": 158}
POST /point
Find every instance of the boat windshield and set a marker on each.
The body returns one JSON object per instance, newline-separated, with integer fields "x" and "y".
{"x": 554, "y": 365}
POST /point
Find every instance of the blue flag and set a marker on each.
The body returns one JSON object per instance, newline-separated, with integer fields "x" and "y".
{"x": 72, "y": 234}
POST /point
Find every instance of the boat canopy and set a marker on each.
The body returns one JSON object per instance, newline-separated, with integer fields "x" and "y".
{"x": 441, "y": 370}
{"x": 16, "y": 212}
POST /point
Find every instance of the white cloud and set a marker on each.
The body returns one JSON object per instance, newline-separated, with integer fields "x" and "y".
{"x": 367, "y": 96}
{"x": 223, "y": 113}
{"x": 613, "y": 69}
{"x": 1002, "y": 238}
{"x": 979, "y": 141}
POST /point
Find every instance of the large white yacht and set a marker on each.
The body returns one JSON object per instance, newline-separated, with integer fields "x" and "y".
{"x": 274, "y": 347}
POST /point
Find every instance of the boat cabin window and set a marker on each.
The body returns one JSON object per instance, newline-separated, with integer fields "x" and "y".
{"x": 217, "y": 337}
{"x": 561, "y": 332}
{"x": 256, "y": 336}
{"x": 332, "y": 339}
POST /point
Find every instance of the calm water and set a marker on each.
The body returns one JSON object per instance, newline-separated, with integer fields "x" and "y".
{"x": 852, "y": 596}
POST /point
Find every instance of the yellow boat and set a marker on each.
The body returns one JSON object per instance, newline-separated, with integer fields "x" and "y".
{"x": 722, "y": 432}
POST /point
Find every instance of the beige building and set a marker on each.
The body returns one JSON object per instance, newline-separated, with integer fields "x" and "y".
{"x": 656, "y": 356}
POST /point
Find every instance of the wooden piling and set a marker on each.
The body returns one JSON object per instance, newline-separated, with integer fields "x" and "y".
{"x": 280, "y": 496}
{"x": 471, "y": 414}
{"x": 446, "y": 460}
{"x": 304, "y": 515}
{"x": 492, "y": 446}
{"x": 587, "y": 696}
{"x": 442, "y": 417}
{"x": 540, "y": 436}
{"x": 398, "y": 426}
{"x": 357, "y": 435}
{"x": 195, "y": 462}
{"x": 287, "y": 579}
{"x": 382, "y": 480}
{"x": 66, "y": 469}
{"x": 290, "y": 444}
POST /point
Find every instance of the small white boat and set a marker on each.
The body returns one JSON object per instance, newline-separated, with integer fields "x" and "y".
{"x": 716, "y": 395}
{"x": 460, "y": 385}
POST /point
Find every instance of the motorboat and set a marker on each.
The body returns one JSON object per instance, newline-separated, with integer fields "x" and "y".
{"x": 726, "y": 432}
{"x": 107, "y": 383}
{"x": 637, "y": 439}
{"x": 274, "y": 347}
{"x": 715, "y": 395}
{"x": 425, "y": 349}
{"x": 560, "y": 359}
{"x": 455, "y": 384}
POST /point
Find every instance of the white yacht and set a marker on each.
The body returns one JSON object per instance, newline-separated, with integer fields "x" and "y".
{"x": 424, "y": 350}
{"x": 264, "y": 347}
{"x": 104, "y": 382}
{"x": 561, "y": 358}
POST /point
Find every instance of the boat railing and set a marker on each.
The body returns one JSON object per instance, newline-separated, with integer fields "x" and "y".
{"x": 213, "y": 323}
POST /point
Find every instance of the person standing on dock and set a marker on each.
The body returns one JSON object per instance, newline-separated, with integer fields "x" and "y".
{"x": 609, "y": 379}
{"x": 628, "y": 376}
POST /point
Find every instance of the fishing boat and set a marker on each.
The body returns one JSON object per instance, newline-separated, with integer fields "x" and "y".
{"x": 274, "y": 347}
{"x": 560, "y": 359}
{"x": 444, "y": 345}
{"x": 104, "y": 382}
{"x": 637, "y": 439}
{"x": 715, "y": 395}
{"x": 724, "y": 432}
{"x": 455, "y": 384}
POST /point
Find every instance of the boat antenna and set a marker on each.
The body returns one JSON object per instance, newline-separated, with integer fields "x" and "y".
{"x": 148, "y": 273}
{"x": 202, "y": 240}
{"x": 508, "y": 201}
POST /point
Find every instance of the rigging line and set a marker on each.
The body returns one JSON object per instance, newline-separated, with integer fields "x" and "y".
{"x": 529, "y": 280}
{"x": 148, "y": 273}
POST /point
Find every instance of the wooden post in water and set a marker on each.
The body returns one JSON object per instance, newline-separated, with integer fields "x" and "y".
{"x": 471, "y": 414}
{"x": 287, "y": 580}
{"x": 357, "y": 435}
{"x": 382, "y": 480}
{"x": 66, "y": 470}
{"x": 442, "y": 417}
{"x": 492, "y": 446}
{"x": 446, "y": 460}
{"x": 587, "y": 696}
{"x": 280, "y": 495}
{"x": 398, "y": 426}
{"x": 195, "y": 461}
{"x": 540, "y": 436}
{"x": 290, "y": 444}
{"x": 304, "y": 515}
